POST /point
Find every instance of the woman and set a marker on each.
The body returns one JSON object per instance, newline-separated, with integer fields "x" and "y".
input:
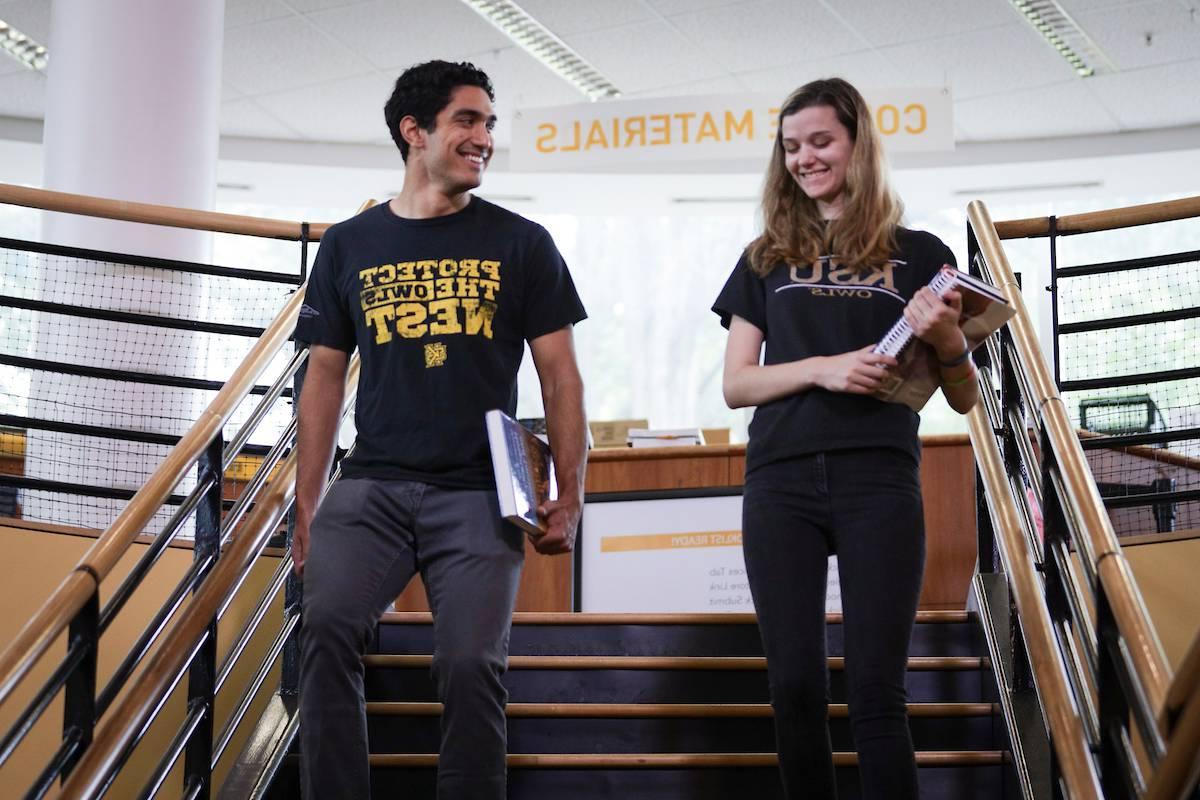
{"x": 829, "y": 468}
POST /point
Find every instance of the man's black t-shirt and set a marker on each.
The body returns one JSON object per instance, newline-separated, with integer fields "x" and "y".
{"x": 439, "y": 310}
{"x": 824, "y": 309}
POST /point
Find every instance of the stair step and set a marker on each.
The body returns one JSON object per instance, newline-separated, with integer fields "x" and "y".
{"x": 664, "y": 727}
{"x": 560, "y": 679}
{"x": 688, "y": 710}
{"x": 942, "y": 633}
{"x": 939, "y": 780}
{"x": 737, "y": 663}
{"x": 944, "y": 758}
{"x": 593, "y": 618}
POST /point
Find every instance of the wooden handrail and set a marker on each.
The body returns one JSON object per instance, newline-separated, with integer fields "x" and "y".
{"x": 1133, "y": 620}
{"x": 1094, "y": 221}
{"x": 1185, "y": 684}
{"x": 1179, "y": 770}
{"x": 1146, "y": 451}
{"x": 151, "y": 214}
{"x": 122, "y": 724}
{"x": 1067, "y": 734}
{"x": 161, "y": 673}
{"x": 56, "y": 613}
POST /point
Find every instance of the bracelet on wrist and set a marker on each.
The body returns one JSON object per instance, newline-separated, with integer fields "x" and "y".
{"x": 970, "y": 376}
{"x": 954, "y": 362}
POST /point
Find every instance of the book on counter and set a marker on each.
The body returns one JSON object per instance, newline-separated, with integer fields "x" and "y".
{"x": 664, "y": 437}
{"x": 524, "y": 471}
{"x": 913, "y": 381}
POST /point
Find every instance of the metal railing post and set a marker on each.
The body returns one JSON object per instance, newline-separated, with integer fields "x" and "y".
{"x": 293, "y": 590}
{"x": 1053, "y": 290}
{"x": 203, "y": 672}
{"x": 1114, "y": 708}
{"x": 79, "y": 697}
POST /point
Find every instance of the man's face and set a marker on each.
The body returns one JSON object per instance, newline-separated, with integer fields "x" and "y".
{"x": 460, "y": 145}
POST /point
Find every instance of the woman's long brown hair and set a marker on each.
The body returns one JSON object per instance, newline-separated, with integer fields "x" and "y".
{"x": 864, "y": 235}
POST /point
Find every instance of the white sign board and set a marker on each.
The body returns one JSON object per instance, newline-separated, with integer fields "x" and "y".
{"x": 675, "y": 555}
{"x": 703, "y": 129}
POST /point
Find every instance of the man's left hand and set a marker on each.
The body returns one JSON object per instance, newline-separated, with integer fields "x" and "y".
{"x": 562, "y": 524}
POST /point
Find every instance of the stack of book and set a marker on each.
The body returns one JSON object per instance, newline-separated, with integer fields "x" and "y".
{"x": 665, "y": 437}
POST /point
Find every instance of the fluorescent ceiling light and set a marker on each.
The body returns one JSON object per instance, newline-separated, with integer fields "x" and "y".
{"x": 1054, "y": 24}
{"x": 536, "y": 39}
{"x": 22, "y": 48}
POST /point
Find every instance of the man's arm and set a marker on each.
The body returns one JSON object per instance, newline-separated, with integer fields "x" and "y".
{"x": 320, "y": 413}
{"x": 562, "y": 397}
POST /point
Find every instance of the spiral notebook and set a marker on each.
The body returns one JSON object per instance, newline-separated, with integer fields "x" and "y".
{"x": 913, "y": 381}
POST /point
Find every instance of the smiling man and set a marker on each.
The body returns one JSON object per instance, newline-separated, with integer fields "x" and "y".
{"x": 439, "y": 291}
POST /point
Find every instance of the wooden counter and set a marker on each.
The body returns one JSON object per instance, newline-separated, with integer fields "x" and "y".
{"x": 947, "y": 479}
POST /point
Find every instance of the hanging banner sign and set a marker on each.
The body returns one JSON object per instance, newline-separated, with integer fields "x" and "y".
{"x": 703, "y": 129}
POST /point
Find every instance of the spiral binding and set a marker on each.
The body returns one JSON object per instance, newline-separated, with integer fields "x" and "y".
{"x": 900, "y": 334}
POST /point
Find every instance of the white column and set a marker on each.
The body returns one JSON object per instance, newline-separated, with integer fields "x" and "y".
{"x": 132, "y": 111}
{"x": 132, "y": 108}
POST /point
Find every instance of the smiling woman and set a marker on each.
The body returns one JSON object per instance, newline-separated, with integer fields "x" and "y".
{"x": 831, "y": 469}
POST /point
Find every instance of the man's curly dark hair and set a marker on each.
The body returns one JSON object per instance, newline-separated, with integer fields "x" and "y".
{"x": 424, "y": 90}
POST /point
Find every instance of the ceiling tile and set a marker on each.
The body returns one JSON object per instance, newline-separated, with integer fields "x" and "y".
{"x": 1049, "y": 111}
{"x": 895, "y": 23}
{"x": 672, "y": 7}
{"x": 1156, "y": 97}
{"x": 9, "y": 66}
{"x": 565, "y": 17}
{"x": 760, "y": 35}
{"x": 246, "y": 118}
{"x": 23, "y": 94}
{"x": 344, "y": 110}
{"x": 1144, "y": 35}
{"x": 521, "y": 81}
{"x": 992, "y": 61}
{"x": 392, "y": 35}
{"x": 867, "y": 69}
{"x": 644, "y": 56}
{"x": 1075, "y": 7}
{"x": 309, "y": 6}
{"x": 284, "y": 54}
{"x": 722, "y": 85}
{"x": 249, "y": 12}
{"x": 30, "y": 17}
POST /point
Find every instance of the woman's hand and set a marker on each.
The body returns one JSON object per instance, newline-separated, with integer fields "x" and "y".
{"x": 855, "y": 372}
{"x": 935, "y": 322}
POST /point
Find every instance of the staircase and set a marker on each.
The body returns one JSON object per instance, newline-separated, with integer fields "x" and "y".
{"x": 669, "y": 707}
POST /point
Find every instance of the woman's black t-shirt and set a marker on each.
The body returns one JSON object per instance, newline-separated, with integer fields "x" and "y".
{"x": 825, "y": 309}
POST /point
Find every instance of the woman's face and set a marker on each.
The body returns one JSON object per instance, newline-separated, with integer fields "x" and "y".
{"x": 816, "y": 151}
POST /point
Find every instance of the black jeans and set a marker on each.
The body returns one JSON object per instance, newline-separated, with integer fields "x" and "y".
{"x": 865, "y": 507}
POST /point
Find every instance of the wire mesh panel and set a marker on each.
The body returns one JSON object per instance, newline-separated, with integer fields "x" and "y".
{"x": 1129, "y": 367}
{"x": 105, "y": 360}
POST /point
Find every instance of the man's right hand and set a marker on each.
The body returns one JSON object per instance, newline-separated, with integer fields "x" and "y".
{"x": 299, "y": 547}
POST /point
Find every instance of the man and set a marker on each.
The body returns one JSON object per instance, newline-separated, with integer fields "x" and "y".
{"x": 439, "y": 290}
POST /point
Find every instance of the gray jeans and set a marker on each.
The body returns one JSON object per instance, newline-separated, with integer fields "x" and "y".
{"x": 368, "y": 539}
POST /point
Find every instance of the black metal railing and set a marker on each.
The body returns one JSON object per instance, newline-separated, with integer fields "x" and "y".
{"x": 75, "y": 606}
{"x": 1117, "y": 371}
{"x": 1078, "y": 587}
